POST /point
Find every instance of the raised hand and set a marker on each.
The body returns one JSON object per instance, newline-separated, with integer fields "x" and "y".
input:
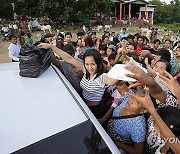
{"x": 171, "y": 83}
{"x": 145, "y": 101}
{"x": 138, "y": 74}
{"x": 45, "y": 45}
{"x": 150, "y": 71}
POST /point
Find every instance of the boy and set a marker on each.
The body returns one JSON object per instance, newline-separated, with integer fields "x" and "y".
{"x": 14, "y": 49}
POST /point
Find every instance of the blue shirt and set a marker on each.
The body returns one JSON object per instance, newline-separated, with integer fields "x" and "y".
{"x": 129, "y": 128}
{"x": 120, "y": 36}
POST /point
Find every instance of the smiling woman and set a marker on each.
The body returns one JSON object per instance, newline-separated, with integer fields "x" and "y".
{"x": 94, "y": 79}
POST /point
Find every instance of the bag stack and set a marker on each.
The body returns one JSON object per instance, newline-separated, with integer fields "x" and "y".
{"x": 33, "y": 60}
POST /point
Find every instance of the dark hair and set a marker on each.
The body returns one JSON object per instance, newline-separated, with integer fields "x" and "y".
{"x": 170, "y": 116}
{"x": 98, "y": 60}
{"x": 134, "y": 56}
{"x": 124, "y": 38}
{"x": 80, "y": 34}
{"x": 104, "y": 38}
{"x": 157, "y": 40}
{"x": 133, "y": 44}
{"x": 164, "y": 53}
{"x": 137, "y": 34}
{"x": 130, "y": 36}
{"x": 68, "y": 33}
{"x": 178, "y": 47}
{"x": 69, "y": 49}
{"x": 168, "y": 64}
{"x": 116, "y": 40}
{"x": 112, "y": 42}
{"x": 28, "y": 35}
{"x": 88, "y": 41}
{"x": 112, "y": 56}
{"x": 73, "y": 43}
{"x": 167, "y": 40}
{"x": 61, "y": 35}
{"x": 12, "y": 36}
{"x": 142, "y": 37}
{"x": 145, "y": 38}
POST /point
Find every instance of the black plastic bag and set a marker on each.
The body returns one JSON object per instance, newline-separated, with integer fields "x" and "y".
{"x": 33, "y": 60}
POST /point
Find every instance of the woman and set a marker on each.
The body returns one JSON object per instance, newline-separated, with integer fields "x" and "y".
{"x": 128, "y": 126}
{"x": 94, "y": 79}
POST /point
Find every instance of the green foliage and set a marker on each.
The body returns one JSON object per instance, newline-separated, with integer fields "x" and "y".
{"x": 173, "y": 26}
{"x": 167, "y": 13}
{"x": 63, "y": 9}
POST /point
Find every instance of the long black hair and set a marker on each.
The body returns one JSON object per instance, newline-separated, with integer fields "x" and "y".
{"x": 170, "y": 115}
{"x": 98, "y": 60}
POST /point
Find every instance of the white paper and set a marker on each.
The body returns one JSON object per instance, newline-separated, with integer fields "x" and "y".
{"x": 119, "y": 72}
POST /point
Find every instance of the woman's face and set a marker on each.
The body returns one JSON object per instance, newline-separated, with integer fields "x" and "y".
{"x": 177, "y": 52}
{"x": 167, "y": 45}
{"x": 109, "y": 52}
{"x": 130, "y": 49}
{"x": 160, "y": 67}
{"x": 156, "y": 45}
{"x": 106, "y": 40}
{"x": 83, "y": 42}
{"x": 93, "y": 38}
{"x": 68, "y": 38}
{"x": 91, "y": 65}
{"x": 79, "y": 43}
{"x": 135, "y": 39}
{"x": 140, "y": 42}
{"x": 134, "y": 105}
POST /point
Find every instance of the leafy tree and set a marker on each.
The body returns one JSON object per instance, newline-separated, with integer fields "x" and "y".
{"x": 64, "y": 9}
{"x": 167, "y": 13}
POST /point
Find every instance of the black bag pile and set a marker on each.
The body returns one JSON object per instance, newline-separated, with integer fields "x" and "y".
{"x": 33, "y": 60}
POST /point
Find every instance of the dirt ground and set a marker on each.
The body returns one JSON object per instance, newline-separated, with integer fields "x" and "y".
{"x": 4, "y": 58}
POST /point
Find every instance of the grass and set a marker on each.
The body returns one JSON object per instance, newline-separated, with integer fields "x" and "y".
{"x": 173, "y": 26}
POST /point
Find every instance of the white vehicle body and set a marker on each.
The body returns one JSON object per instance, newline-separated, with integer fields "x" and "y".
{"x": 37, "y": 114}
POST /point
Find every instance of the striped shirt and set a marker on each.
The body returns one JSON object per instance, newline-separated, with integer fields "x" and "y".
{"x": 94, "y": 88}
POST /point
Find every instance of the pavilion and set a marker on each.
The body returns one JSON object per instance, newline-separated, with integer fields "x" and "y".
{"x": 133, "y": 10}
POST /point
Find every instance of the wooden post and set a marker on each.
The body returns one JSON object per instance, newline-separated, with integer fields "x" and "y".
{"x": 120, "y": 10}
{"x": 124, "y": 11}
{"x": 145, "y": 11}
{"x": 129, "y": 11}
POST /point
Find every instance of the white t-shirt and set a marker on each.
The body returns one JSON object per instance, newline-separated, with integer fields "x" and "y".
{"x": 15, "y": 26}
{"x": 14, "y": 51}
{"x": 5, "y": 29}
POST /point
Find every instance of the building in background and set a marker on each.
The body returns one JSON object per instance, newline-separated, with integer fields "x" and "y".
{"x": 135, "y": 11}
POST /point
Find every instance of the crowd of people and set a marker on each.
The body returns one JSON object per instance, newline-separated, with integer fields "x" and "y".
{"x": 140, "y": 117}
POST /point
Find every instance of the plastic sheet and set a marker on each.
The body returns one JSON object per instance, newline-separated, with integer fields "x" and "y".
{"x": 33, "y": 61}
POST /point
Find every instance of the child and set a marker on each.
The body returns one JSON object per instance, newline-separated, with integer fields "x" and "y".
{"x": 14, "y": 49}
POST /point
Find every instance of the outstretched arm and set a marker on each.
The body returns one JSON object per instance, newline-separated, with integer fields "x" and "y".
{"x": 164, "y": 130}
{"x": 65, "y": 56}
{"x": 172, "y": 84}
{"x": 144, "y": 79}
